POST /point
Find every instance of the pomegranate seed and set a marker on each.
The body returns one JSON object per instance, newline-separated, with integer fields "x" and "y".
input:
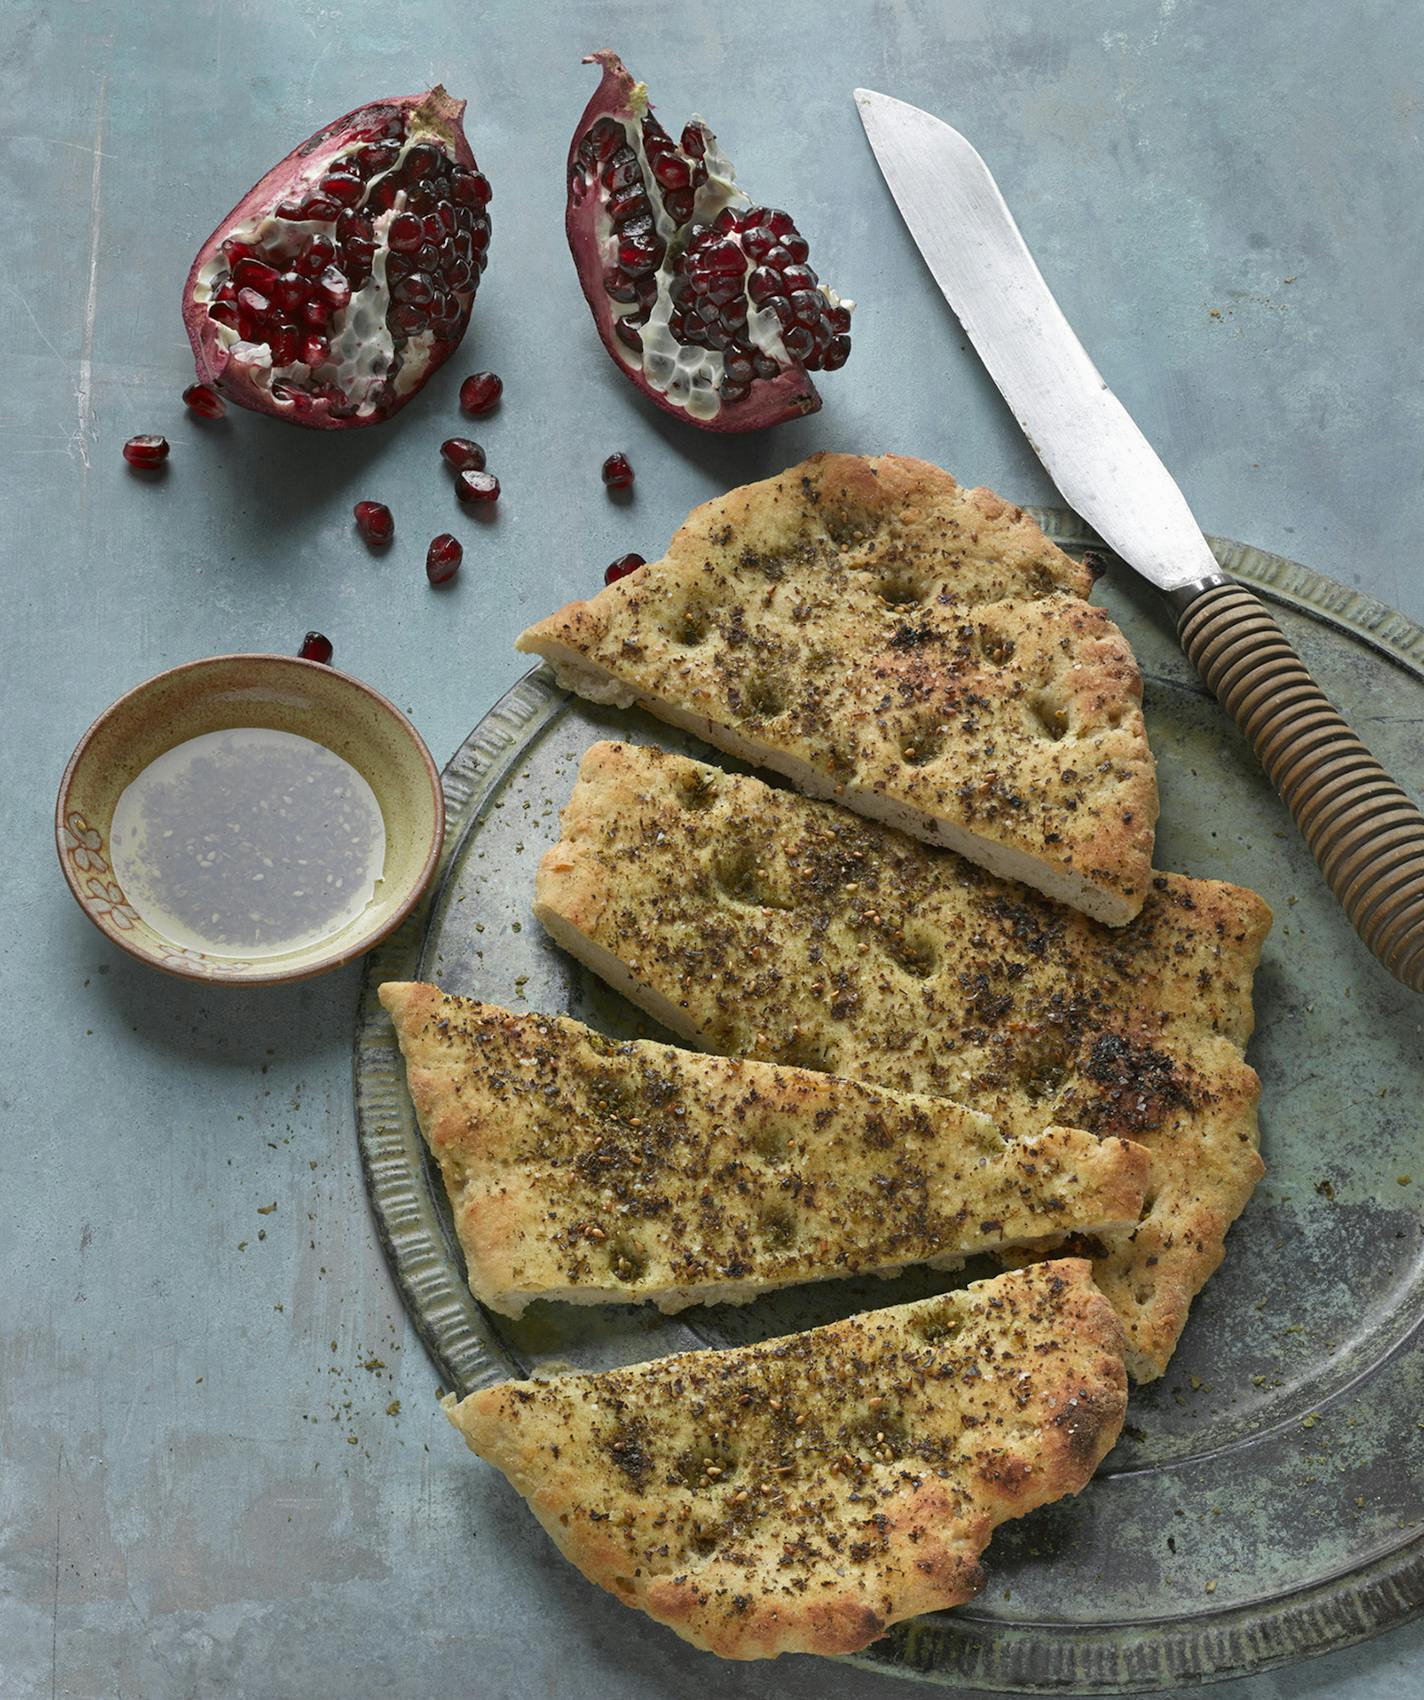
{"x": 343, "y": 187}
{"x": 693, "y": 142}
{"x": 146, "y": 453}
{"x": 290, "y": 289}
{"x": 620, "y": 568}
{"x": 374, "y": 521}
{"x": 405, "y": 234}
{"x": 672, "y": 172}
{"x": 480, "y": 392}
{"x": 204, "y": 401}
{"x": 318, "y": 254}
{"x": 254, "y": 274}
{"x": 798, "y": 342}
{"x": 442, "y": 558}
{"x": 618, "y": 472}
{"x": 352, "y": 224}
{"x": 463, "y": 454}
{"x": 335, "y": 290}
{"x": 377, "y": 156}
{"x": 475, "y": 486}
{"x": 416, "y": 289}
{"x": 316, "y": 647}
{"x": 408, "y": 320}
{"x": 838, "y": 353}
{"x": 422, "y": 160}
{"x": 285, "y": 343}
{"x": 315, "y": 349}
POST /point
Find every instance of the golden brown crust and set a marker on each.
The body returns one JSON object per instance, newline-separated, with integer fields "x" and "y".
{"x": 754, "y": 922}
{"x": 594, "y": 1171}
{"x": 804, "y": 1494}
{"x": 918, "y": 651}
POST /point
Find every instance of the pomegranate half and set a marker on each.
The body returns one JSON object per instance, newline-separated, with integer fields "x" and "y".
{"x": 706, "y": 301}
{"x": 345, "y": 278}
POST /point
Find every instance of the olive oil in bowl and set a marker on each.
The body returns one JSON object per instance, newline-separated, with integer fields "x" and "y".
{"x": 249, "y": 843}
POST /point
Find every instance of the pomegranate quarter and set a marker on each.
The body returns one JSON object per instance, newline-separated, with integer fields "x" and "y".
{"x": 707, "y": 302}
{"x": 335, "y": 288}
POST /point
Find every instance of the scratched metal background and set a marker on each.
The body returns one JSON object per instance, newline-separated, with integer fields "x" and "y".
{"x": 205, "y": 1488}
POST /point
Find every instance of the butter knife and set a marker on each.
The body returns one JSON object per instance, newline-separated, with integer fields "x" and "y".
{"x": 1360, "y": 826}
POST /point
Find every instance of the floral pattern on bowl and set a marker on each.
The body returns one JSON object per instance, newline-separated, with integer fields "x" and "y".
{"x": 101, "y": 894}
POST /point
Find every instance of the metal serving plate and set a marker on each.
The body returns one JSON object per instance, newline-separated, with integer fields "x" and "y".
{"x": 1266, "y": 1500}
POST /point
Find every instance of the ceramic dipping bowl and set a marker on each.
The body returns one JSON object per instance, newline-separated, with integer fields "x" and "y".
{"x": 270, "y": 691}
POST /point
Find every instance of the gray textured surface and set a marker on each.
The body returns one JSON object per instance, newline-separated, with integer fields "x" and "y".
{"x": 202, "y": 1492}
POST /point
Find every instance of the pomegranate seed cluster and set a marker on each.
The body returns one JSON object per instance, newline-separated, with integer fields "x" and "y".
{"x": 408, "y": 212}
{"x": 759, "y": 257}
{"x": 745, "y": 261}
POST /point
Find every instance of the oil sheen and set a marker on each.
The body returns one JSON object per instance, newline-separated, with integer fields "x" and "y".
{"x": 249, "y": 843}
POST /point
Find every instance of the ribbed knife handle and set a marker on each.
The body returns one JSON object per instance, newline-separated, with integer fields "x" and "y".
{"x": 1361, "y": 828}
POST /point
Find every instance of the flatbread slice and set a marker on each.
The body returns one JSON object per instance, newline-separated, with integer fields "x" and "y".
{"x": 919, "y": 652}
{"x": 599, "y": 1172}
{"x": 753, "y": 922}
{"x": 804, "y": 1494}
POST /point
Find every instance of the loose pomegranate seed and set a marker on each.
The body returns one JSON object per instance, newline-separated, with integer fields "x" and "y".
{"x": 204, "y": 401}
{"x": 463, "y": 454}
{"x": 146, "y": 453}
{"x": 374, "y": 521}
{"x": 442, "y": 558}
{"x": 477, "y": 487}
{"x": 618, "y": 472}
{"x": 480, "y": 392}
{"x": 620, "y": 568}
{"x": 315, "y": 647}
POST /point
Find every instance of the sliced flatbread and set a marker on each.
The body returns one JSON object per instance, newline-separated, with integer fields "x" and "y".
{"x": 919, "y": 652}
{"x": 804, "y": 1494}
{"x": 597, "y": 1172}
{"x": 750, "y": 921}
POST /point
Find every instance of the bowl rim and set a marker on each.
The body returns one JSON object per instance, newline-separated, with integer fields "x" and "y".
{"x": 355, "y": 947}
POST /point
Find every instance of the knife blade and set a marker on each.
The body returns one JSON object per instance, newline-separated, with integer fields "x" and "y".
{"x": 1105, "y": 467}
{"x": 1364, "y": 832}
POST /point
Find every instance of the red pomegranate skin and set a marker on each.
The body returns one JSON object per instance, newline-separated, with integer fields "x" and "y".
{"x": 392, "y": 361}
{"x": 768, "y": 398}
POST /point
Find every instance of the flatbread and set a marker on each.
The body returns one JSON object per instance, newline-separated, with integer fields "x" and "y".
{"x": 804, "y": 1494}
{"x": 753, "y": 922}
{"x": 919, "y": 652}
{"x": 598, "y": 1172}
